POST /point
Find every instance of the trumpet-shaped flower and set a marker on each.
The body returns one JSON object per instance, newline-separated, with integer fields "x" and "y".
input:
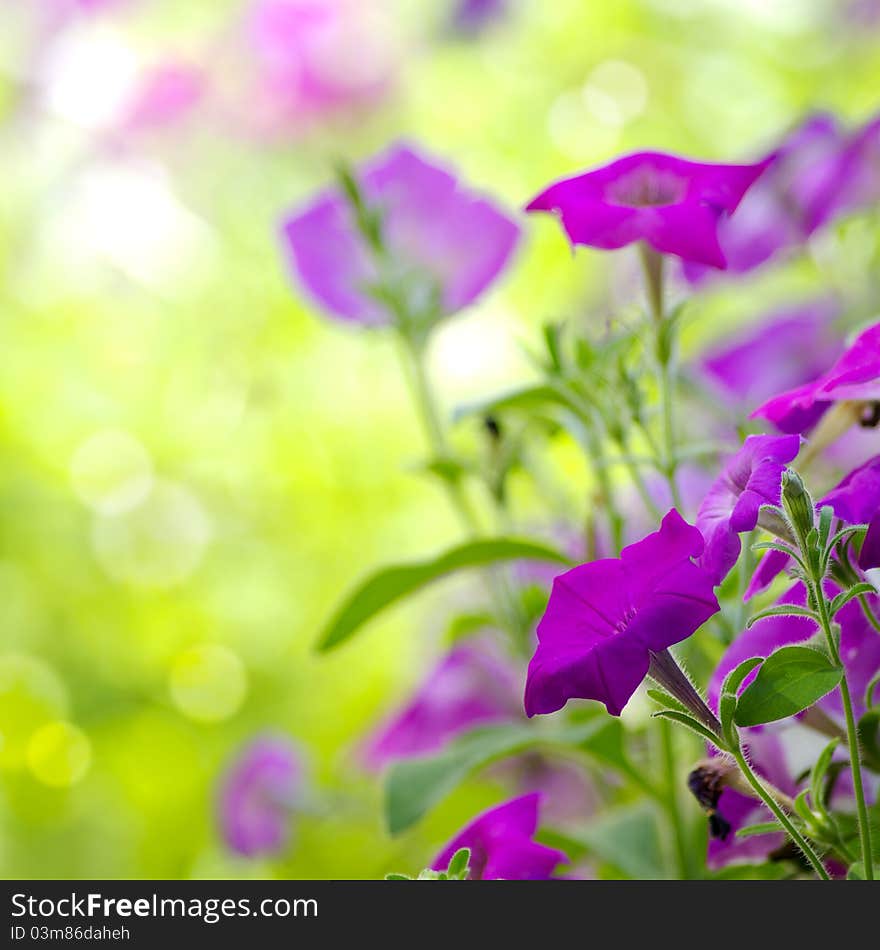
{"x": 606, "y": 618}
{"x": 855, "y": 377}
{"x": 443, "y": 245}
{"x": 672, "y": 204}
{"x": 753, "y": 477}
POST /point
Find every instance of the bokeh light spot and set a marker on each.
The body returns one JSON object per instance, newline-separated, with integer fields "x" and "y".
{"x": 111, "y": 472}
{"x": 208, "y": 683}
{"x": 59, "y": 754}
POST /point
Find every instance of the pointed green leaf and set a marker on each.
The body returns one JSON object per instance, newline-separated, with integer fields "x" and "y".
{"x": 791, "y": 679}
{"x": 688, "y": 722}
{"x": 394, "y": 583}
{"x": 781, "y": 610}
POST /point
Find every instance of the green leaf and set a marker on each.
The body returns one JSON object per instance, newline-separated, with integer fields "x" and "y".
{"x": 688, "y": 722}
{"x": 791, "y": 679}
{"x": 826, "y": 519}
{"x": 841, "y": 600}
{"x": 735, "y": 677}
{"x": 529, "y": 398}
{"x": 663, "y": 699}
{"x": 818, "y": 774}
{"x": 868, "y": 730}
{"x": 394, "y": 583}
{"x": 458, "y": 864}
{"x": 414, "y": 786}
{"x": 397, "y": 877}
{"x": 761, "y": 828}
{"x": 628, "y": 839}
{"x": 782, "y": 610}
{"x": 856, "y": 872}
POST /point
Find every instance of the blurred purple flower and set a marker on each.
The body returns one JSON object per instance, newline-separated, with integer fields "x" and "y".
{"x": 165, "y": 94}
{"x": 501, "y": 845}
{"x": 788, "y": 203}
{"x": 751, "y": 478}
{"x": 473, "y": 16}
{"x": 855, "y": 377}
{"x": 472, "y": 685}
{"x": 445, "y": 245}
{"x": 567, "y": 795}
{"x": 317, "y": 58}
{"x": 855, "y": 500}
{"x": 258, "y": 794}
{"x": 787, "y": 349}
{"x": 672, "y": 204}
{"x": 605, "y": 619}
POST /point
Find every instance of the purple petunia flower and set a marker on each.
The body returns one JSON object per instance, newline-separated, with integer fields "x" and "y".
{"x": 672, "y": 204}
{"x": 789, "y": 202}
{"x": 787, "y": 349}
{"x": 501, "y": 845}
{"x": 257, "y": 796}
{"x": 855, "y": 500}
{"x": 855, "y": 377}
{"x": 605, "y": 619}
{"x": 472, "y": 685}
{"x": 445, "y": 245}
{"x": 753, "y": 477}
{"x": 164, "y": 95}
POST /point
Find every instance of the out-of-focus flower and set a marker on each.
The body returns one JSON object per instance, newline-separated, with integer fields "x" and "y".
{"x": 854, "y": 378}
{"x": 672, "y": 204}
{"x": 855, "y": 500}
{"x": 567, "y": 794}
{"x": 472, "y": 685}
{"x": 163, "y": 96}
{"x": 442, "y": 245}
{"x": 751, "y": 478}
{"x": 258, "y": 794}
{"x": 471, "y": 17}
{"x": 773, "y": 748}
{"x": 502, "y": 846}
{"x": 314, "y": 59}
{"x": 788, "y": 203}
{"x": 787, "y": 349}
{"x": 605, "y": 619}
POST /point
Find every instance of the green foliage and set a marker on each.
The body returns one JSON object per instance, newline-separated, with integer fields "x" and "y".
{"x": 790, "y": 680}
{"x": 392, "y": 584}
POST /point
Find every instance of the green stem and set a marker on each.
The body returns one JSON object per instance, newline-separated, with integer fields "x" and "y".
{"x": 679, "y": 832}
{"x": 852, "y": 739}
{"x": 652, "y": 266}
{"x": 779, "y": 814}
{"x": 870, "y": 616}
{"x": 426, "y": 405}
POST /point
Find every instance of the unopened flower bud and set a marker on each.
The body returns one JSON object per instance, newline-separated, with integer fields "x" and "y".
{"x": 798, "y": 504}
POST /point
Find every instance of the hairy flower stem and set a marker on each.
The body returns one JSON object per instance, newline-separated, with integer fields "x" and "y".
{"x": 779, "y": 813}
{"x": 852, "y": 738}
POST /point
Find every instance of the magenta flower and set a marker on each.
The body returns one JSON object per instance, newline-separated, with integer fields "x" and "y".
{"x": 605, "y": 619}
{"x": 501, "y": 845}
{"x": 445, "y": 245}
{"x": 258, "y": 794}
{"x": 472, "y": 685}
{"x": 855, "y": 377}
{"x": 672, "y": 204}
{"x": 855, "y": 500}
{"x": 786, "y": 350}
{"x": 753, "y": 477}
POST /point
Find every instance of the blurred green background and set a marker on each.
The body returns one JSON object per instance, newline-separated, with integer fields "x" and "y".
{"x": 196, "y": 465}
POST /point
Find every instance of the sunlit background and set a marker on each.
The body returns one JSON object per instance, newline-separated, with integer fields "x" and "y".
{"x": 196, "y": 464}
